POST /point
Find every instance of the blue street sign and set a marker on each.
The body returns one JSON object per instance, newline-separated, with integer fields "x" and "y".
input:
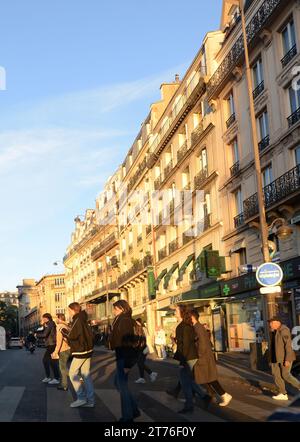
{"x": 269, "y": 274}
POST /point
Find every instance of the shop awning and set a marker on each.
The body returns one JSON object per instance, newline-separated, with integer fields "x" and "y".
{"x": 169, "y": 274}
{"x": 184, "y": 266}
{"x": 238, "y": 245}
{"x": 159, "y": 278}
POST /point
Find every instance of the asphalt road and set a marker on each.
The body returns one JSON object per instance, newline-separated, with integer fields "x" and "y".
{"x": 23, "y": 398}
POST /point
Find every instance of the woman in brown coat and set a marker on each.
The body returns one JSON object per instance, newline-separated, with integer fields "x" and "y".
{"x": 205, "y": 369}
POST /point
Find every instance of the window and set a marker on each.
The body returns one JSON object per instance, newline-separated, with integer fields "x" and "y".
{"x": 203, "y": 159}
{"x": 267, "y": 176}
{"x": 230, "y": 105}
{"x": 235, "y": 151}
{"x": 288, "y": 37}
{"x": 242, "y": 257}
{"x": 263, "y": 130}
{"x": 258, "y": 76}
{"x": 60, "y": 311}
{"x": 294, "y": 99}
{"x": 297, "y": 155}
{"x": 57, "y": 297}
{"x": 238, "y": 202}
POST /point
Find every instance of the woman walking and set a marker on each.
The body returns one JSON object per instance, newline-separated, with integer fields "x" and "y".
{"x": 187, "y": 356}
{"x": 142, "y": 355}
{"x": 49, "y": 334}
{"x": 62, "y": 351}
{"x": 124, "y": 341}
{"x": 205, "y": 369}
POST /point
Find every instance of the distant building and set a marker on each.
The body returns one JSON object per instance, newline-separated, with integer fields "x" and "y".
{"x": 10, "y": 298}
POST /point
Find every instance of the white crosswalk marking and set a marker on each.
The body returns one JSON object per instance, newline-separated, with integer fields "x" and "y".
{"x": 111, "y": 399}
{"x": 249, "y": 409}
{"x": 264, "y": 398}
{"x": 9, "y": 401}
{"x": 56, "y": 402}
{"x": 198, "y": 415}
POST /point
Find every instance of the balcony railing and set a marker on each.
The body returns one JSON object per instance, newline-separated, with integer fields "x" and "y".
{"x": 200, "y": 178}
{"x": 105, "y": 245}
{"x": 137, "y": 267}
{"x": 168, "y": 169}
{"x": 275, "y": 192}
{"x": 235, "y": 168}
{"x": 157, "y": 183}
{"x": 182, "y": 151}
{"x": 148, "y": 229}
{"x": 289, "y": 56}
{"x": 236, "y": 53}
{"x": 239, "y": 220}
{"x": 139, "y": 238}
{"x": 186, "y": 238}
{"x": 294, "y": 118}
{"x": 230, "y": 121}
{"x": 264, "y": 143}
{"x": 258, "y": 90}
{"x": 162, "y": 253}
{"x": 173, "y": 246}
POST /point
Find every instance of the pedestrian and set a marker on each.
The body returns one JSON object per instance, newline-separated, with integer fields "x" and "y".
{"x": 62, "y": 351}
{"x": 80, "y": 339}
{"x": 142, "y": 355}
{"x": 187, "y": 356}
{"x": 282, "y": 357}
{"x": 160, "y": 343}
{"x": 123, "y": 341}
{"x": 49, "y": 335}
{"x": 205, "y": 369}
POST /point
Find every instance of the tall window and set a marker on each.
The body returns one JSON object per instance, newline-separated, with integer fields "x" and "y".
{"x": 288, "y": 37}
{"x": 267, "y": 176}
{"x": 235, "y": 151}
{"x": 230, "y": 105}
{"x": 294, "y": 99}
{"x": 258, "y": 75}
{"x": 238, "y": 202}
{"x": 263, "y": 125}
{"x": 203, "y": 159}
{"x": 297, "y": 155}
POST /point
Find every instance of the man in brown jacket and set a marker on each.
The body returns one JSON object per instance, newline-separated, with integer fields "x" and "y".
{"x": 282, "y": 357}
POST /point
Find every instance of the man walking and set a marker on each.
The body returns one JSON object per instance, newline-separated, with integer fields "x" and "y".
{"x": 80, "y": 339}
{"x": 282, "y": 357}
{"x": 49, "y": 334}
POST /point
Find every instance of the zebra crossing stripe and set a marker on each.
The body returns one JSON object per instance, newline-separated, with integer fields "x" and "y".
{"x": 111, "y": 399}
{"x": 198, "y": 415}
{"x": 252, "y": 411}
{"x": 9, "y": 401}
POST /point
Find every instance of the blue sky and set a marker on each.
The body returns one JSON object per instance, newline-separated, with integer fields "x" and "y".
{"x": 80, "y": 78}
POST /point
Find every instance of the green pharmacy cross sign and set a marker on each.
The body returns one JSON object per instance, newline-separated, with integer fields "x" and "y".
{"x": 226, "y": 290}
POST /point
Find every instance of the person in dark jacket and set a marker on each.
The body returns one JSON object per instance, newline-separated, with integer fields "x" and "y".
{"x": 142, "y": 355}
{"x": 205, "y": 369}
{"x": 80, "y": 339}
{"x": 123, "y": 340}
{"x": 49, "y": 334}
{"x": 282, "y": 357}
{"x": 187, "y": 356}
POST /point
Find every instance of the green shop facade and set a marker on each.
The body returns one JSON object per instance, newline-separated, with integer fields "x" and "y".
{"x": 234, "y": 310}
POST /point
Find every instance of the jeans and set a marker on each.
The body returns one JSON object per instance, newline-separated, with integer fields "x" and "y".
{"x": 49, "y": 362}
{"x": 141, "y": 364}
{"x": 81, "y": 367}
{"x": 128, "y": 405}
{"x": 63, "y": 360}
{"x": 282, "y": 375}
{"x": 189, "y": 386}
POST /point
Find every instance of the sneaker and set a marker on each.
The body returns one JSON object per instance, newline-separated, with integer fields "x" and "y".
{"x": 281, "y": 397}
{"x": 225, "y": 400}
{"x": 54, "y": 382}
{"x": 140, "y": 381}
{"x": 78, "y": 403}
{"x": 153, "y": 376}
{"x": 89, "y": 405}
{"x": 46, "y": 380}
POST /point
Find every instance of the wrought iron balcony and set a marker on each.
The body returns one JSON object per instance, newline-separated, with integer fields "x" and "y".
{"x": 148, "y": 229}
{"x": 196, "y": 134}
{"x": 157, "y": 183}
{"x": 137, "y": 267}
{"x": 173, "y": 246}
{"x": 258, "y": 90}
{"x": 139, "y": 238}
{"x": 168, "y": 169}
{"x": 235, "y": 168}
{"x": 200, "y": 178}
{"x": 274, "y": 193}
{"x": 236, "y": 54}
{"x": 294, "y": 118}
{"x": 264, "y": 143}
{"x": 239, "y": 220}
{"x": 289, "y": 56}
{"x": 186, "y": 237}
{"x": 162, "y": 253}
{"x": 182, "y": 151}
{"x": 187, "y": 186}
{"x": 230, "y": 121}
{"x": 105, "y": 246}
{"x": 148, "y": 260}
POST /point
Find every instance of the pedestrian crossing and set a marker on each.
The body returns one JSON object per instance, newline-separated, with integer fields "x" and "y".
{"x": 155, "y": 406}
